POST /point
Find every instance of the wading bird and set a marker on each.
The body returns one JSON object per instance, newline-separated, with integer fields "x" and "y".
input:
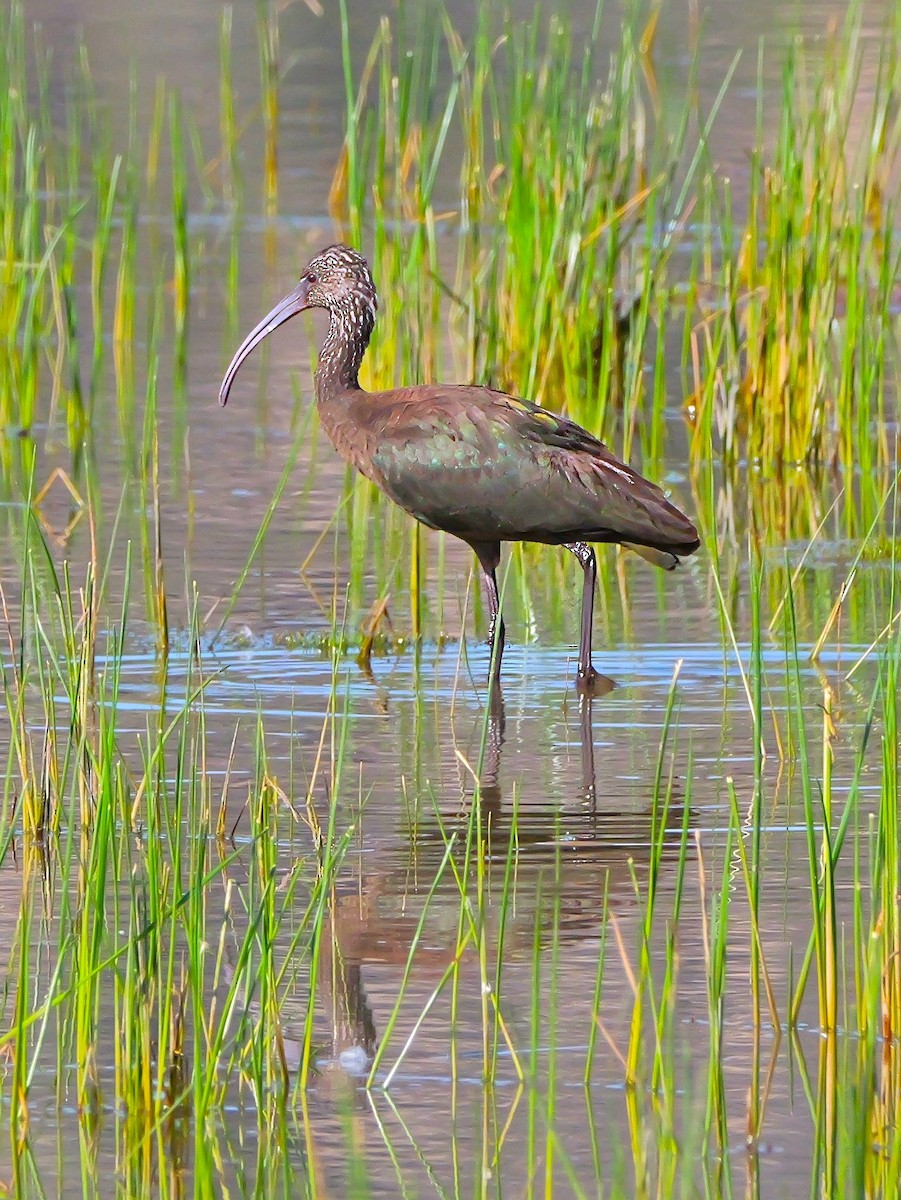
{"x": 469, "y": 460}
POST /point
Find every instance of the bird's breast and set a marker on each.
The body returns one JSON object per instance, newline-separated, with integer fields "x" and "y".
{"x": 356, "y": 441}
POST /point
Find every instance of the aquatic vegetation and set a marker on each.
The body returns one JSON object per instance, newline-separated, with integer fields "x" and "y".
{"x": 276, "y": 920}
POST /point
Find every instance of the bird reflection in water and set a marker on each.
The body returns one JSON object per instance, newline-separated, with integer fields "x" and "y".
{"x": 489, "y": 790}
{"x": 571, "y": 861}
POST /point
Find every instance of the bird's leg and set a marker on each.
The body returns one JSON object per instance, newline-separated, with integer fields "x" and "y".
{"x": 489, "y": 556}
{"x": 585, "y": 555}
{"x": 496, "y": 632}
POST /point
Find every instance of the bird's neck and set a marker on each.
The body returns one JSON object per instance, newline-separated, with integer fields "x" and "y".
{"x": 349, "y": 331}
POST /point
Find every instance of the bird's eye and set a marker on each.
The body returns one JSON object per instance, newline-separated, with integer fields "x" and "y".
{"x": 312, "y": 277}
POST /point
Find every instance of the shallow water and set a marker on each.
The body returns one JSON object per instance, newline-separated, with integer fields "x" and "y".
{"x": 582, "y": 838}
{"x": 581, "y": 781}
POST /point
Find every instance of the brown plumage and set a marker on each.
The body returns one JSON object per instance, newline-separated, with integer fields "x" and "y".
{"x": 474, "y": 462}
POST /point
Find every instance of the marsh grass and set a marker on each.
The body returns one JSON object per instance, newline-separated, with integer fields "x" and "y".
{"x": 163, "y": 972}
{"x": 795, "y": 364}
{"x": 162, "y": 967}
{"x": 575, "y": 169}
{"x": 176, "y": 955}
{"x": 569, "y": 294}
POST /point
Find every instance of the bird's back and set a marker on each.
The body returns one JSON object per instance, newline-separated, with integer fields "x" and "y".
{"x": 489, "y": 467}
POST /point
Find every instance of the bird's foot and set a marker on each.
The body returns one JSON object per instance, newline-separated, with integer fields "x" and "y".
{"x": 585, "y": 680}
{"x": 592, "y": 683}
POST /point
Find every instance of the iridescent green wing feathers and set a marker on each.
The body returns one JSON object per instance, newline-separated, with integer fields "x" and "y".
{"x": 486, "y": 466}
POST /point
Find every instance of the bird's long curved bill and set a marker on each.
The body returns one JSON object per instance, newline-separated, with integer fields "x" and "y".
{"x": 285, "y": 309}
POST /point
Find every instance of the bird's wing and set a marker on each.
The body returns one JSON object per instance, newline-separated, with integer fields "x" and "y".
{"x": 487, "y": 466}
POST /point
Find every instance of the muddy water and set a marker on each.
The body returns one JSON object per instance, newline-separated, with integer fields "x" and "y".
{"x": 582, "y": 782}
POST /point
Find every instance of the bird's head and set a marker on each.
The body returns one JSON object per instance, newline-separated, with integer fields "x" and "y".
{"x": 338, "y": 280}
